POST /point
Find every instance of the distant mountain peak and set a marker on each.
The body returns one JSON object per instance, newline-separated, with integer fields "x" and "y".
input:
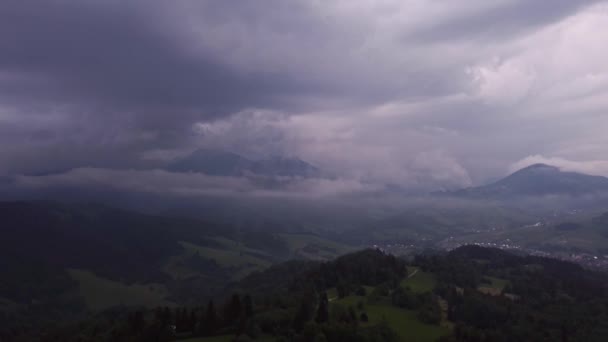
{"x": 533, "y": 169}
{"x": 538, "y": 180}
{"x": 225, "y": 163}
{"x": 540, "y": 166}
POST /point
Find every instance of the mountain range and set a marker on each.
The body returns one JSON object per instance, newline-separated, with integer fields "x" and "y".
{"x": 221, "y": 163}
{"x": 531, "y": 181}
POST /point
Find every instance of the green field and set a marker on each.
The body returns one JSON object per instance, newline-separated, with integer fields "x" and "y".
{"x": 419, "y": 281}
{"x": 231, "y": 256}
{"x": 100, "y": 293}
{"x": 313, "y": 247}
{"x": 226, "y": 257}
{"x": 498, "y": 283}
{"x": 235, "y": 245}
{"x": 405, "y": 323}
{"x": 494, "y": 288}
{"x": 332, "y": 293}
{"x": 243, "y": 260}
{"x": 350, "y": 301}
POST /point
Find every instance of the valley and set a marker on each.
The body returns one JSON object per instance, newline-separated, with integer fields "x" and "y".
{"x": 90, "y": 259}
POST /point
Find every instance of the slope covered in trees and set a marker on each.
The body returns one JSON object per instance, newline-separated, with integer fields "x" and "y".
{"x": 469, "y": 294}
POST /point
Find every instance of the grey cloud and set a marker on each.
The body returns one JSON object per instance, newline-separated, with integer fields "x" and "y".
{"x": 189, "y": 184}
{"x": 119, "y": 55}
{"x": 502, "y": 21}
{"x": 98, "y": 75}
{"x": 84, "y": 84}
{"x": 356, "y": 148}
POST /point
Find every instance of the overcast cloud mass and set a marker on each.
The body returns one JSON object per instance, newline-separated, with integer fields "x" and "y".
{"x": 421, "y": 94}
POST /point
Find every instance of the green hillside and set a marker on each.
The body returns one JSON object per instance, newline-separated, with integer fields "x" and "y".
{"x": 100, "y": 293}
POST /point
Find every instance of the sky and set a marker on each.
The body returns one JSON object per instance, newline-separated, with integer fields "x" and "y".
{"x": 424, "y": 94}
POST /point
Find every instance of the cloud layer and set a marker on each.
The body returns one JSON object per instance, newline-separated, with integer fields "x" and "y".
{"x": 416, "y": 94}
{"x": 159, "y": 182}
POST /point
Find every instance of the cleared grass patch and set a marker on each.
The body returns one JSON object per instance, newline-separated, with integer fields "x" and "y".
{"x": 405, "y": 323}
{"x": 332, "y": 294}
{"x": 226, "y": 257}
{"x": 238, "y": 259}
{"x": 419, "y": 281}
{"x": 494, "y": 288}
{"x": 497, "y": 282}
{"x": 100, "y": 293}
{"x": 350, "y": 301}
{"x": 314, "y": 247}
{"x": 237, "y": 246}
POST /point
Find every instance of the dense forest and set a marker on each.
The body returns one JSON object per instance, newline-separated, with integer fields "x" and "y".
{"x": 469, "y": 294}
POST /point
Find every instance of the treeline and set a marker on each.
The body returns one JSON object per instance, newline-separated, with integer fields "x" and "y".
{"x": 310, "y": 320}
{"x": 538, "y": 299}
{"x": 289, "y": 308}
{"x": 543, "y": 299}
{"x": 163, "y": 324}
{"x": 347, "y": 273}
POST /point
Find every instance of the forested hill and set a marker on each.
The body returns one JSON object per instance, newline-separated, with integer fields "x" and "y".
{"x": 62, "y": 261}
{"x": 469, "y": 294}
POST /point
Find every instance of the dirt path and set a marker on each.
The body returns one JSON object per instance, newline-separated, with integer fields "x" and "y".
{"x": 413, "y": 273}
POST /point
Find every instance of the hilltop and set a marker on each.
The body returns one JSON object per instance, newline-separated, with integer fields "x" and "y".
{"x": 538, "y": 180}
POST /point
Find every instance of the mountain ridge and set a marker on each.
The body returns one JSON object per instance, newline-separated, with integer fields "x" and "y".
{"x": 225, "y": 163}
{"x": 538, "y": 180}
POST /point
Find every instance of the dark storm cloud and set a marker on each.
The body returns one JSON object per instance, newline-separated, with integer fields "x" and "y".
{"x": 408, "y": 92}
{"x": 90, "y": 83}
{"x": 123, "y": 56}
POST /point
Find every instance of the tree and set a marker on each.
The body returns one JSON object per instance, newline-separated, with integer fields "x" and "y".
{"x": 233, "y": 310}
{"x": 180, "y": 321}
{"x": 192, "y": 320}
{"x": 303, "y": 314}
{"x": 136, "y": 321}
{"x": 323, "y": 310}
{"x": 248, "y": 304}
{"x": 165, "y": 317}
{"x": 209, "y": 321}
{"x": 352, "y": 315}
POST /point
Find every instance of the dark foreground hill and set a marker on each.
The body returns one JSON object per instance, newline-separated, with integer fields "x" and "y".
{"x": 469, "y": 294}
{"x": 539, "y": 180}
{"x": 60, "y": 261}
